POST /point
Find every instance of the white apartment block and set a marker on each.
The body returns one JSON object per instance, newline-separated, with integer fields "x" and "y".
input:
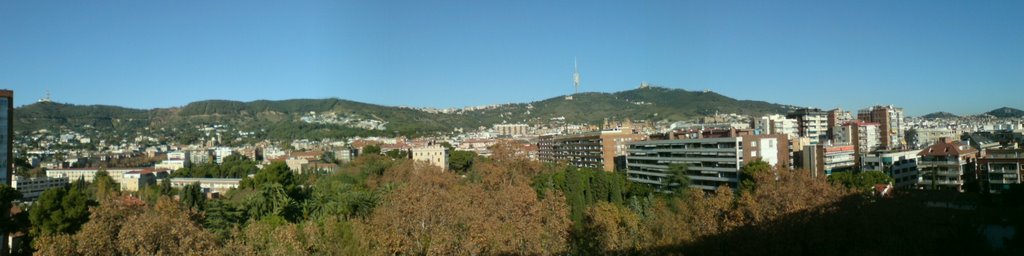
{"x": 221, "y": 152}
{"x": 31, "y": 188}
{"x": 777, "y": 124}
{"x": 131, "y": 179}
{"x": 511, "y": 129}
{"x": 220, "y": 185}
{"x": 710, "y": 162}
{"x": 900, "y": 165}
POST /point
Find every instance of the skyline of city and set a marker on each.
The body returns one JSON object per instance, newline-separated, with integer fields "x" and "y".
{"x": 457, "y": 54}
{"x": 455, "y": 127}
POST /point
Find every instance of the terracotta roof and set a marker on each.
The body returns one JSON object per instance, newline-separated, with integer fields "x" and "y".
{"x": 945, "y": 148}
{"x": 883, "y": 189}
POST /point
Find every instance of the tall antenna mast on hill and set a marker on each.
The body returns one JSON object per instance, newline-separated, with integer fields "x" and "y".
{"x": 46, "y": 98}
{"x": 575, "y": 76}
{"x": 575, "y": 79}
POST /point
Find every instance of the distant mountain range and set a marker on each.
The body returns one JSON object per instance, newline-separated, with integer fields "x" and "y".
{"x": 291, "y": 118}
{"x": 1003, "y": 112}
{"x": 939, "y": 115}
{"x": 651, "y": 103}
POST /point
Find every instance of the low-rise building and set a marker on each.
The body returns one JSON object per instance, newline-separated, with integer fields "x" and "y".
{"x": 31, "y": 188}
{"x": 220, "y": 185}
{"x": 433, "y": 154}
{"x": 345, "y": 155}
{"x": 296, "y": 164}
{"x": 136, "y": 180}
{"x": 130, "y": 179}
{"x": 175, "y": 160}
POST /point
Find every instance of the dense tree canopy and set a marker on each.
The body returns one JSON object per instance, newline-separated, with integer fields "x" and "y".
{"x": 503, "y": 204}
{"x": 461, "y": 161}
{"x": 60, "y": 210}
{"x": 862, "y": 181}
{"x": 233, "y": 166}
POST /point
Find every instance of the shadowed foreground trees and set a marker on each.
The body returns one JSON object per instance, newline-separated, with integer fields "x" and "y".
{"x": 507, "y": 204}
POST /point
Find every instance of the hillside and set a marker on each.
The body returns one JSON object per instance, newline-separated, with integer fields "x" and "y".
{"x": 939, "y": 115}
{"x": 1005, "y": 112}
{"x": 48, "y": 115}
{"x": 284, "y": 119}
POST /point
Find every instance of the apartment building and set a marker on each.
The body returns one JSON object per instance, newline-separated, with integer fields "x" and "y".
{"x": 947, "y": 165}
{"x": 31, "y": 188}
{"x": 824, "y": 159}
{"x": 864, "y": 137}
{"x": 776, "y": 124}
{"x": 836, "y": 117}
{"x": 900, "y": 165}
{"x": 811, "y": 123}
{"x": 511, "y": 130}
{"x": 603, "y": 150}
{"x": 891, "y": 124}
{"x": 131, "y": 179}
{"x": 711, "y": 161}
{"x": 1001, "y": 168}
{"x": 919, "y": 138}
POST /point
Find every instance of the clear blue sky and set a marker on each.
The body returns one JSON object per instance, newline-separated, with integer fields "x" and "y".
{"x": 958, "y": 56}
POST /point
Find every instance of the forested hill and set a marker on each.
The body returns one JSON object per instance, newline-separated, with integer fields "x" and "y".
{"x": 1006, "y": 112}
{"x": 652, "y": 103}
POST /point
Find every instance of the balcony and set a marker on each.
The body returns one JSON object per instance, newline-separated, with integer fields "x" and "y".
{"x": 940, "y": 163}
{"x": 926, "y": 182}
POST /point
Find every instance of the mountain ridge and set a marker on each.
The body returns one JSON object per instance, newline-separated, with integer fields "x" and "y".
{"x": 1005, "y": 112}
{"x": 651, "y": 103}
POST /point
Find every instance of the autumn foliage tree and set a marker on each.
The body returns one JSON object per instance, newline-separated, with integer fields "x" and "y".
{"x": 126, "y": 226}
{"x": 439, "y": 213}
